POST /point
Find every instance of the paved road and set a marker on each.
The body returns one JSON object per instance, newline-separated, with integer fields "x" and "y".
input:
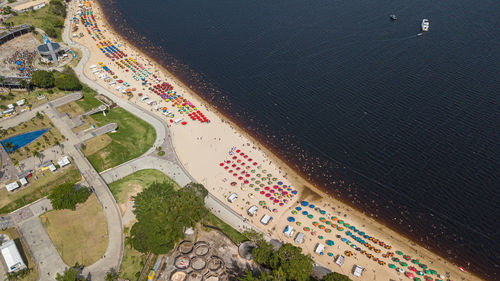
{"x": 41, "y": 248}
{"x": 86, "y": 135}
{"x": 169, "y": 168}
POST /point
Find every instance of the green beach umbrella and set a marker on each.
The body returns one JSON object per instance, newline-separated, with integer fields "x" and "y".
{"x": 415, "y": 261}
{"x": 427, "y": 271}
{"x": 404, "y": 264}
{"x": 433, "y": 272}
{"x": 417, "y": 279}
{"x": 420, "y": 273}
{"x": 395, "y": 259}
{"x": 392, "y": 266}
{"x": 399, "y": 252}
{"x": 347, "y": 225}
{"x": 320, "y": 237}
{"x": 310, "y": 216}
{"x": 423, "y": 266}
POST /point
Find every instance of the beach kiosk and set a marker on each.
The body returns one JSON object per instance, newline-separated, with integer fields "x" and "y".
{"x": 288, "y": 231}
{"x": 300, "y": 238}
{"x": 252, "y": 210}
{"x": 266, "y": 219}
{"x": 357, "y": 270}
{"x": 340, "y": 260}
{"x": 319, "y": 249}
{"x": 232, "y": 197}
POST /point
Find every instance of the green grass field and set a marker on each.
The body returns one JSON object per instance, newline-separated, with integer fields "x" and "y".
{"x": 132, "y": 139}
{"x": 14, "y": 235}
{"x": 10, "y": 201}
{"x": 125, "y": 186}
{"x": 80, "y": 235}
{"x": 42, "y": 19}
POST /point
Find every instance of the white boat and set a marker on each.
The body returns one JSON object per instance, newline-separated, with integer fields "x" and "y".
{"x": 425, "y": 25}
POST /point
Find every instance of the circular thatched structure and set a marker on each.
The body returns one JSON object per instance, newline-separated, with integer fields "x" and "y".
{"x": 195, "y": 276}
{"x": 245, "y": 250}
{"x": 215, "y": 263}
{"x": 186, "y": 247}
{"x": 178, "y": 276}
{"x": 182, "y": 262}
{"x": 198, "y": 263}
{"x": 201, "y": 249}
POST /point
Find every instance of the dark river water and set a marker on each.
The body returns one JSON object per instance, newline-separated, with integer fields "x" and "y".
{"x": 403, "y": 127}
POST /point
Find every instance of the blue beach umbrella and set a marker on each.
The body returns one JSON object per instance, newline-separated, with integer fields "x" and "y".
{"x": 291, "y": 219}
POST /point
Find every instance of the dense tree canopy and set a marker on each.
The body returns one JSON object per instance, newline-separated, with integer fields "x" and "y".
{"x": 65, "y": 196}
{"x": 334, "y": 276}
{"x": 295, "y": 265}
{"x": 42, "y": 79}
{"x": 288, "y": 262}
{"x": 68, "y": 82}
{"x": 162, "y": 214}
{"x": 57, "y": 7}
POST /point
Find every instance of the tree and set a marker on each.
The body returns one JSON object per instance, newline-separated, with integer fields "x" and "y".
{"x": 263, "y": 252}
{"x": 162, "y": 213}
{"x": 66, "y": 196}
{"x": 71, "y": 274}
{"x": 275, "y": 275}
{"x": 111, "y": 275}
{"x": 68, "y": 82}
{"x": 295, "y": 265}
{"x": 42, "y": 79}
{"x": 57, "y": 7}
{"x": 334, "y": 276}
{"x": 24, "y": 84}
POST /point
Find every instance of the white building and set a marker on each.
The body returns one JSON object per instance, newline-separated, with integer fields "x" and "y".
{"x": 12, "y": 257}
{"x": 64, "y": 161}
{"x": 23, "y": 181}
{"x": 12, "y": 186}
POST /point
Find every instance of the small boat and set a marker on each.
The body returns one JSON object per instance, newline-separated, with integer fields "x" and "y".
{"x": 425, "y": 25}
{"x": 393, "y": 17}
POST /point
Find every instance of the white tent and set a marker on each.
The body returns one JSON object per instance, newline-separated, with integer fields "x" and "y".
{"x": 12, "y": 186}
{"x": 266, "y": 219}
{"x": 357, "y": 271}
{"x": 63, "y": 161}
{"x": 23, "y": 181}
{"x": 232, "y": 197}
{"x": 11, "y": 256}
{"x": 319, "y": 249}
{"x": 252, "y": 210}
{"x": 288, "y": 231}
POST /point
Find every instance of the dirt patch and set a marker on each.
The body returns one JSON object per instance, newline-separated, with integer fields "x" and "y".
{"x": 95, "y": 144}
{"x": 136, "y": 188}
{"x": 12, "y": 49}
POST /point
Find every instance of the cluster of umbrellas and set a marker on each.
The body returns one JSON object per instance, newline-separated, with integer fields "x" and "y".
{"x": 242, "y": 167}
{"x": 89, "y": 21}
{"x": 413, "y": 271}
{"x": 110, "y": 50}
{"x": 184, "y": 106}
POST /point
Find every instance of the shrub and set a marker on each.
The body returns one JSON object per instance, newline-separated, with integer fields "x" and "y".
{"x": 65, "y": 196}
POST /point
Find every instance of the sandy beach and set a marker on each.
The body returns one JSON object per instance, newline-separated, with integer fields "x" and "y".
{"x": 226, "y": 160}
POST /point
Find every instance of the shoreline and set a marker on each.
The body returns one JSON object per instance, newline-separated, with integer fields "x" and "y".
{"x": 293, "y": 176}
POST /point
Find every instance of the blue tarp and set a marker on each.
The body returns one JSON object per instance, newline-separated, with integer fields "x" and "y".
{"x": 21, "y": 140}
